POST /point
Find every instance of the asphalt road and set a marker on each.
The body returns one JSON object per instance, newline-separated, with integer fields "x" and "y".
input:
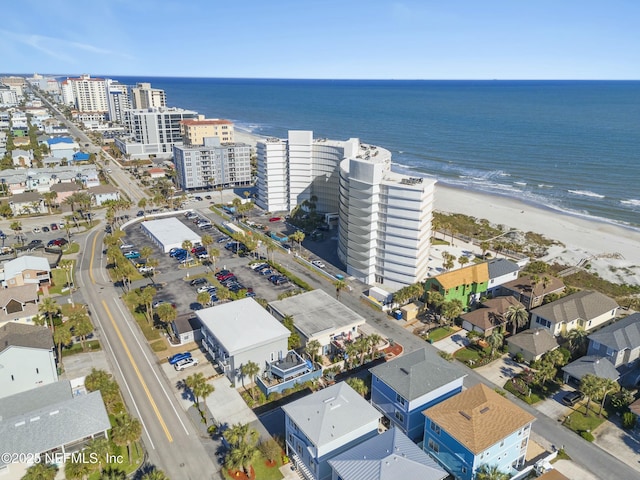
{"x": 172, "y": 442}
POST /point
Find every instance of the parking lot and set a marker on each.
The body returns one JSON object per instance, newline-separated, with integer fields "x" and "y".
{"x": 174, "y": 280}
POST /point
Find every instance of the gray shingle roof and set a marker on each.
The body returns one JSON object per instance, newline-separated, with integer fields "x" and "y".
{"x": 585, "y": 305}
{"x": 501, "y": 266}
{"x": 330, "y": 414}
{"x": 53, "y": 425}
{"x": 389, "y": 456}
{"x": 35, "y": 399}
{"x": 536, "y": 341}
{"x": 417, "y": 373}
{"x": 620, "y": 335}
{"x": 21, "y": 335}
{"x": 594, "y": 365}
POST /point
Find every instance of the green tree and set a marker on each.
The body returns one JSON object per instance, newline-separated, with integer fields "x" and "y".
{"x": 608, "y": 386}
{"x": 214, "y": 254}
{"x": 463, "y": 260}
{"x": 495, "y": 340}
{"x": 250, "y": 370}
{"x": 294, "y": 339}
{"x": 270, "y": 449}
{"x": 340, "y": 285}
{"x": 187, "y": 245}
{"x": 126, "y": 431}
{"x": 435, "y": 299}
{"x": 374, "y": 341}
{"x": 362, "y": 345}
{"x": 81, "y": 326}
{"x": 199, "y": 387}
{"x": 203, "y": 298}
{"x": 358, "y": 385}
{"x": 298, "y": 237}
{"x": 555, "y": 358}
{"x": 50, "y": 308}
{"x": 41, "y": 471}
{"x": 577, "y": 341}
{"x": 518, "y": 316}
{"x": 154, "y": 475}
{"x": 243, "y": 449}
{"x": 112, "y": 473}
{"x": 142, "y": 204}
{"x": 76, "y": 468}
{"x": 311, "y": 349}
{"x": 491, "y": 472}
{"x": 591, "y": 386}
{"x": 62, "y": 336}
{"x": 166, "y": 314}
{"x": 622, "y": 399}
{"x": 146, "y": 252}
{"x": 450, "y": 310}
{"x": 99, "y": 448}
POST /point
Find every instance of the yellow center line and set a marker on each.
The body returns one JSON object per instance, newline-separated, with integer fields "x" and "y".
{"x": 93, "y": 251}
{"x": 135, "y": 367}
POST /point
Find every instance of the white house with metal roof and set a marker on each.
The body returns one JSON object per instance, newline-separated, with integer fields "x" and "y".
{"x": 389, "y": 456}
{"x": 324, "y": 424}
{"x": 26, "y": 269}
{"x": 168, "y": 233}
{"x": 501, "y": 271}
{"x": 49, "y": 421}
{"x": 235, "y": 333}
{"x": 318, "y": 316}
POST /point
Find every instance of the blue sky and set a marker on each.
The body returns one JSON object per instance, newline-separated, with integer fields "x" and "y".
{"x": 377, "y": 39}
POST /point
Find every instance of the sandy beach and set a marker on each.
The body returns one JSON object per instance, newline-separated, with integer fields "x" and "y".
{"x": 617, "y": 249}
{"x": 582, "y": 238}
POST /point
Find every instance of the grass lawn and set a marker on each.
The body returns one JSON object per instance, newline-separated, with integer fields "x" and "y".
{"x": 579, "y": 423}
{"x": 150, "y": 333}
{"x": 530, "y": 399}
{"x": 437, "y": 241}
{"x": 59, "y": 279}
{"x": 470, "y": 354}
{"x": 262, "y": 471}
{"x": 440, "y": 333}
{"x": 68, "y": 309}
{"x": 91, "y": 346}
{"x": 71, "y": 248}
{"x": 137, "y": 457}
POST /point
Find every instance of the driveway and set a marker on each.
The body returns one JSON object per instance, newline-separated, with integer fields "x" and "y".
{"x": 552, "y": 407}
{"x": 500, "y": 370}
{"x": 453, "y": 343}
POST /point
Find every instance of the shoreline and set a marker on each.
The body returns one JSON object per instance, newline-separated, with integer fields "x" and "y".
{"x": 582, "y": 237}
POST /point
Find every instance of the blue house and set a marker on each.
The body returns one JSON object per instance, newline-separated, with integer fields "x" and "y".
{"x": 384, "y": 457}
{"x": 62, "y": 147}
{"x": 322, "y": 425}
{"x": 403, "y": 388}
{"x": 80, "y": 157}
{"x": 477, "y": 427}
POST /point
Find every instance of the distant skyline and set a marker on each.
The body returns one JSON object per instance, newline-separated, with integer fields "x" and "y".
{"x": 325, "y": 39}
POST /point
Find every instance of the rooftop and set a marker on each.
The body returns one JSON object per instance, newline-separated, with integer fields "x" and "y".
{"x": 316, "y": 312}
{"x": 536, "y": 341}
{"x": 26, "y": 262}
{"x": 389, "y": 456}
{"x": 478, "y": 273}
{"x": 216, "y": 121}
{"x": 479, "y": 417}
{"x": 331, "y": 413}
{"x": 170, "y": 231}
{"x": 621, "y": 335}
{"x": 22, "y": 294}
{"x": 584, "y": 305}
{"x": 501, "y": 266}
{"x": 102, "y": 189}
{"x": 525, "y": 285}
{"x": 21, "y": 335}
{"x": 416, "y": 374}
{"x": 241, "y": 325}
{"x": 594, "y": 365}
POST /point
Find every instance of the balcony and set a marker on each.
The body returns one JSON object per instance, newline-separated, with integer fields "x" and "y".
{"x": 287, "y": 372}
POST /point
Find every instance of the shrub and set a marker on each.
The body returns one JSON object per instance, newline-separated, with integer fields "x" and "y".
{"x": 519, "y": 357}
{"x": 629, "y": 420}
{"x": 565, "y": 353}
{"x": 588, "y": 436}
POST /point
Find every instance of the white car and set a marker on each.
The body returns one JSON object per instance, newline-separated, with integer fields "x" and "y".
{"x": 127, "y": 246}
{"x": 36, "y": 230}
{"x": 186, "y": 363}
{"x": 318, "y": 264}
{"x": 203, "y": 288}
{"x": 145, "y": 269}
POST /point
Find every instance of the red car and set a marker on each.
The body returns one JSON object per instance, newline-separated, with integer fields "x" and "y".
{"x": 222, "y": 278}
{"x": 275, "y": 219}
{"x": 54, "y": 226}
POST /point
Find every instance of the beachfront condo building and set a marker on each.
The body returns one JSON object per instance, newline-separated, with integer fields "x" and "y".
{"x": 117, "y": 100}
{"x": 384, "y": 217}
{"x": 85, "y": 93}
{"x": 195, "y": 131}
{"x": 143, "y": 96}
{"x": 153, "y": 131}
{"x": 212, "y": 164}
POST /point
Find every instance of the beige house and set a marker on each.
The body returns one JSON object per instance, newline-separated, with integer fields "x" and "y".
{"x": 195, "y": 131}
{"x": 532, "y": 344}
{"x": 64, "y": 190}
{"x": 531, "y": 291}
{"x": 18, "y": 304}
{"x": 27, "y": 270}
{"x": 490, "y": 315}
{"x": 585, "y": 309}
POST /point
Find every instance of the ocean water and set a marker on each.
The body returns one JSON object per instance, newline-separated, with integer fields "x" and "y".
{"x": 572, "y": 146}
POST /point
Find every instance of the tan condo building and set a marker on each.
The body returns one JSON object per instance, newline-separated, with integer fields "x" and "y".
{"x": 195, "y": 131}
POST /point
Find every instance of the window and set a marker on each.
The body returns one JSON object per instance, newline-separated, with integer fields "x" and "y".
{"x": 435, "y": 427}
{"x": 610, "y": 352}
{"x": 463, "y": 469}
{"x": 434, "y": 446}
{"x": 399, "y": 416}
{"x": 399, "y": 399}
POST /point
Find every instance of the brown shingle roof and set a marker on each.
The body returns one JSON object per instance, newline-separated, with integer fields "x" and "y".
{"x": 478, "y": 417}
{"x": 65, "y": 187}
{"x": 98, "y": 189}
{"x": 464, "y": 276}
{"x": 522, "y": 285}
{"x": 22, "y": 294}
{"x": 536, "y": 341}
{"x": 20, "y": 335}
{"x": 585, "y": 305}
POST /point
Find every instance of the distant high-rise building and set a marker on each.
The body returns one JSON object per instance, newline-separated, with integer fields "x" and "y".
{"x": 143, "y": 96}
{"x": 212, "y": 164}
{"x": 85, "y": 93}
{"x": 195, "y": 131}
{"x": 384, "y": 218}
{"x": 118, "y": 100}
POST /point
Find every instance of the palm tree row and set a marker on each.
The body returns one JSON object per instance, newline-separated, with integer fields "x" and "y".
{"x": 597, "y": 388}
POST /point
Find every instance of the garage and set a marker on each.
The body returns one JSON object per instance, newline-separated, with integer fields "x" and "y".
{"x": 168, "y": 233}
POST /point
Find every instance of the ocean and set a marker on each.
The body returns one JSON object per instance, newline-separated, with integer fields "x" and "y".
{"x": 573, "y": 146}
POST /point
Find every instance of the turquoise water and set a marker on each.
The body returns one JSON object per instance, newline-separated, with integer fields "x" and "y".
{"x": 569, "y": 145}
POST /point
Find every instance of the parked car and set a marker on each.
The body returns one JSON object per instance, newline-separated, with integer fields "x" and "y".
{"x": 179, "y": 356}
{"x": 198, "y": 199}
{"x": 318, "y": 264}
{"x": 36, "y": 230}
{"x": 145, "y": 269}
{"x": 45, "y": 229}
{"x": 208, "y": 197}
{"x": 140, "y": 213}
{"x": 571, "y": 398}
{"x": 132, "y": 254}
{"x": 203, "y": 288}
{"x": 275, "y": 219}
{"x": 226, "y": 277}
{"x": 157, "y": 303}
{"x": 198, "y": 281}
{"x": 174, "y": 252}
{"x": 205, "y": 226}
{"x": 186, "y": 363}
{"x": 54, "y": 226}
{"x": 127, "y": 246}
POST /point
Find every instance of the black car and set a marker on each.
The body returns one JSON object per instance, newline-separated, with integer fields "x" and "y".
{"x": 198, "y": 199}
{"x": 198, "y": 281}
{"x": 571, "y": 398}
{"x": 140, "y": 213}
{"x": 35, "y": 241}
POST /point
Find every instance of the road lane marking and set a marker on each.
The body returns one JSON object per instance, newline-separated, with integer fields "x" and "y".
{"x": 93, "y": 252}
{"x": 154, "y": 372}
{"x": 137, "y": 370}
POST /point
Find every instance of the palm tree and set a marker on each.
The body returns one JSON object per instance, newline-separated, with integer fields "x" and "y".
{"x": 207, "y": 241}
{"x": 374, "y": 341}
{"x": 146, "y": 252}
{"x": 311, "y": 349}
{"x": 463, "y": 260}
{"x": 350, "y": 351}
{"x": 203, "y": 298}
{"x": 490, "y": 472}
{"x": 577, "y": 339}
{"x": 495, "y": 340}
{"x": 298, "y": 237}
{"x": 214, "y": 253}
{"x": 199, "y": 387}
{"x": 62, "y": 336}
{"x": 608, "y": 386}
{"x": 358, "y": 385}
{"x": 166, "y": 314}
{"x": 450, "y": 310}
{"x": 590, "y": 385}
{"x": 50, "y": 308}
{"x": 112, "y": 473}
{"x": 76, "y": 468}
{"x": 142, "y": 204}
{"x": 249, "y": 369}
{"x": 518, "y": 316}
{"x": 485, "y": 246}
{"x": 362, "y": 344}
{"x": 100, "y": 448}
{"x": 41, "y": 471}
{"x": 126, "y": 431}
{"x": 187, "y": 245}
{"x": 243, "y": 452}
{"x": 340, "y": 285}
{"x": 154, "y": 475}
{"x": 81, "y": 326}
{"x": 145, "y": 297}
